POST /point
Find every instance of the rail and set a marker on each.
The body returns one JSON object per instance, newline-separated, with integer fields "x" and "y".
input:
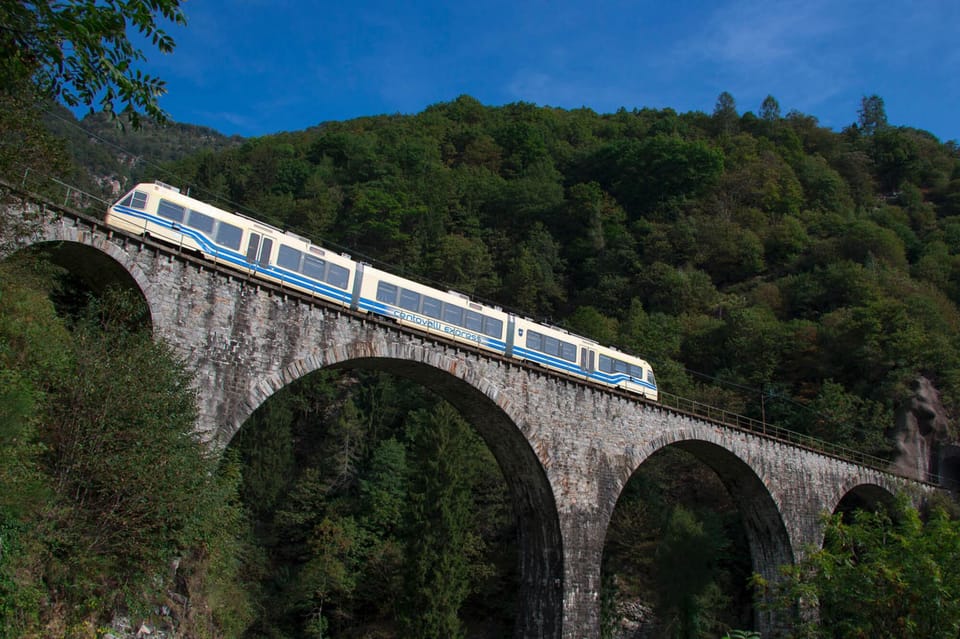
{"x": 72, "y": 196}
{"x": 60, "y": 192}
{"x": 771, "y": 431}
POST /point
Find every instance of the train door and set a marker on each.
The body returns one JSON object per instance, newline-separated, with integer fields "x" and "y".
{"x": 587, "y": 360}
{"x": 357, "y": 286}
{"x": 511, "y": 331}
{"x": 259, "y": 249}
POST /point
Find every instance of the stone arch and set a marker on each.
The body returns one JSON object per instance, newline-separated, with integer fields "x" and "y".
{"x": 747, "y": 486}
{"x": 768, "y": 539}
{"x": 863, "y": 494}
{"x": 868, "y": 488}
{"x": 96, "y": 261}
{"x": 429, "y": 366}
{"x": 461, "y": 382}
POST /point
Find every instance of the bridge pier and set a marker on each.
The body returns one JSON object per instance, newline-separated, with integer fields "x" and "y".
{"x": 583, "y": 537}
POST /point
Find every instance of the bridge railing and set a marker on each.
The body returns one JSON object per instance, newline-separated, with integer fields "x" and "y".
{"x": 70, "y": 196}
{"x": 772, "y": 431}
{"x": 35, "y": 180}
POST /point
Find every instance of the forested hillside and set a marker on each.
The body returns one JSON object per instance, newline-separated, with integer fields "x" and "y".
{"x": 753, "y": 258}
{"x": 110, "y": 153}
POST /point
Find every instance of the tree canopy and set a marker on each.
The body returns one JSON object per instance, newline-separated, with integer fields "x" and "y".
{"x": 80, "y": 53}
{"x": 886, "y": 574}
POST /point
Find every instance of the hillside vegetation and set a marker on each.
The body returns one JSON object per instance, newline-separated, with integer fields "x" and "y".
{"x": 760, "y": 262}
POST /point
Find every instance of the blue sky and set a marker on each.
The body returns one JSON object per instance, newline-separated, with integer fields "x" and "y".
{"x": 255, "y": 67}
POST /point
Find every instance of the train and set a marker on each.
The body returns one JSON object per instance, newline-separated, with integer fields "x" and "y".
{"x": 162, "y": 212}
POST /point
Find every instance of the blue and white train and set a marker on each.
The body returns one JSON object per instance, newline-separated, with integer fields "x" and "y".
{"x": 162, "y": 212}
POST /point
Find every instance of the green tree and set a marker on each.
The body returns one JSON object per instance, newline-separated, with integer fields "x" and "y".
{"x": 686, "y": 562}
{"x": 265, "y": 448}
{"x": 25, "y": 145}
{"x": 895, "y": 154}
{"x": 884, "y": 574}
{"x": 464, "y": 264}
{"x": 728, "y": 252}
{"x": 842, "y": 417}
{"x": 131, "y": 474}
{"x": 34, "y": 345}
{"x": 438, "y": 579}
{"x": 753, "y": 341}
{"x": 784, "y": 242}
{"x": 598, "y": 247}
{"x": 384, "y": 491}
{"x": 676, "y": 291}
{"x": 329, "y": 576}
{"x": 823, "y": 187}
{"x": 658, "y": 170}
{"x": 770, "y": 109}
{"x": 725, "y": 114}
{"x": 379, "y": 220}
{"x": 590, "y": 322}
{"x": 535, "y": 273}
{"x": 80, "y": 53}
{"x": 110, "y": 489}
{"x": 872, "y": 114}
{"x": 384, "y": 499}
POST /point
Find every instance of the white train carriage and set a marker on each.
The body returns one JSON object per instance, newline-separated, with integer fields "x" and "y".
{"x": 575, "y": 355}
{"x": 162, "y": 212}
{"x": 449, "y": 314}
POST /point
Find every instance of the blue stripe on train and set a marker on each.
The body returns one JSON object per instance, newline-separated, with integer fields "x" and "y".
{"x": 570, "y": 367}
{"x": 240, "y": 260}
{"x": 548, "y": 360}
{"x": 374, "y": 306}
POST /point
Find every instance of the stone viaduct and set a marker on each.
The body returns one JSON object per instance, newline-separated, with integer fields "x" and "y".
{"x": 566, "y": 449}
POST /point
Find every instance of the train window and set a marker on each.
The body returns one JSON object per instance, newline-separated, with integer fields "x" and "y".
{"x": 474, "y": 321}
{"x": 137, "y": 199}
{"x": 229, "y": 235}
{"x": 313, "y": 267}
{"x": 453, "y": 314}
{"x": 650, "y": 377}
{"x": 492, "y": 326}
{"x": 200, "y": 222}
{"x": 338, "y": 276}
{"x": 252, "y": 247}
{"x": 534, "y": 340}
{"x": 568, "y": 351}
{"x": 288, "y": 258}
{"x": 386, "y": 293}
{"x": 636, "y": 371}
{"x": 606, "y": 364}
{"x": 551, "y": 345}
{"x": 171, "y": 211}
{"x": 432, "y": 307}
{"x": 265, "y": 251}
{"x": 409, "y": 300}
